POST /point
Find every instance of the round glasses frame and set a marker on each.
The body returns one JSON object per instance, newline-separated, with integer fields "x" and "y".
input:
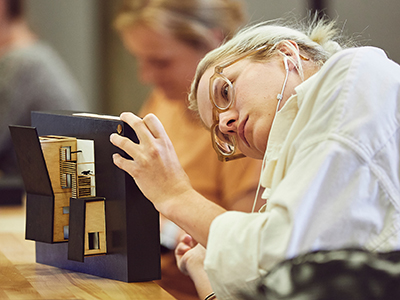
{"x": 222, "y": 96}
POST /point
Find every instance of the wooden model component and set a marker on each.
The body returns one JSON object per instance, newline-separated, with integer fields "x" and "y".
{"x": 70, "y": 164}
{"x": 87, "y": 228}
{"x": 60, "y": 156}
{"x": 95, "y": 228}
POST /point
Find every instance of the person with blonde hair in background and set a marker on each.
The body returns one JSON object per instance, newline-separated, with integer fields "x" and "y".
{"x": 169, "y": 38}
{"x": 325, "y": 120}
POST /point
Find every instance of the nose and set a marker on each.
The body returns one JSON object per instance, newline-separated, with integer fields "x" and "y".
{"x": 228, "y": 122}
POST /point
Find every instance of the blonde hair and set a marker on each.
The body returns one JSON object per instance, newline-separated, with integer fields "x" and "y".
{"x": 189, "y": 21}
{"x": 317, "y": 40}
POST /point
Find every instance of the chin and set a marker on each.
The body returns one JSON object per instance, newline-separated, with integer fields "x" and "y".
{"x": 252, "y": 154}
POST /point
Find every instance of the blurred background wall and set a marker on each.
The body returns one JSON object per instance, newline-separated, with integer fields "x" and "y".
{"x": 81, "y": 31}
{"x": 73, "y": 28}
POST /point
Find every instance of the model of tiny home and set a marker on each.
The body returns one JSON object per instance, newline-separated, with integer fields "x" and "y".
{"x": 84, "y": 213}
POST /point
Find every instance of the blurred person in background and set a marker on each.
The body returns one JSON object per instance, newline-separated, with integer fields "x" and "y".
{"x": 169, "y": 38}
{"x": 32, "y": 78}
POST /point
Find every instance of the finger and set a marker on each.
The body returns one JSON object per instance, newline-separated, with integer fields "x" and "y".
{"x": 142, "y": 131}
{"x": 155, "y": 126}
{"x": 193, "y": 243}
{"x": 189, "y": 240}
{"x": 124, "y": 164}
{"x": 124, "y": 144}
{"x": 181, "y": 249}
{"x": 184, "y": 244}
{"x": 186, "y": 238}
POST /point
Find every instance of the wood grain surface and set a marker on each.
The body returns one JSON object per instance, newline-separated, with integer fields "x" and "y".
{"x": 22, "y": 278}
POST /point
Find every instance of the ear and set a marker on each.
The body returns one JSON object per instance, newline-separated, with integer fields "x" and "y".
{"x": 290, "y": 49}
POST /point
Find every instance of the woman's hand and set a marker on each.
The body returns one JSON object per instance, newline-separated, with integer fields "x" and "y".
{"x": 155, "y": 166}
{"x": 190, "y": 260}
{"x": 190, "y": 254}
{"x": 157, "y": 172}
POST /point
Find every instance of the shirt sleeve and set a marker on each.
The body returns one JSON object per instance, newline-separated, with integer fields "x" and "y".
{"x": 242, "y": 247}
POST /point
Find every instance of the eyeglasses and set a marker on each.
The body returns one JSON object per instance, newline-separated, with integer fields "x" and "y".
{"x": 222, "y": 96}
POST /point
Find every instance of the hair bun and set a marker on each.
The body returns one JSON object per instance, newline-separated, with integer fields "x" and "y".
{"x": 331, "y": 47}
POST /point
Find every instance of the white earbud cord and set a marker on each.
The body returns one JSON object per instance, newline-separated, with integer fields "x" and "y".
{"x": 279, "y": 97}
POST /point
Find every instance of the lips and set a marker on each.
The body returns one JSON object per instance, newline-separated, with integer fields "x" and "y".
{"x": 241, "y": 132}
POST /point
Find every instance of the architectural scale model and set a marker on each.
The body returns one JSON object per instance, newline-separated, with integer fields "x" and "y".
{"x": 84, "y": 213}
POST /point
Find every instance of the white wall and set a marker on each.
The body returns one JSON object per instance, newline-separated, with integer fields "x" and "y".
{"x": 377, "y": 20}
{"x": 72, "y": 28}
{"x": 260, "y": 10}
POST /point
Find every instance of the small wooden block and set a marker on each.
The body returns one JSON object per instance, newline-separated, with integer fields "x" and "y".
{"x": 87, "y": 228}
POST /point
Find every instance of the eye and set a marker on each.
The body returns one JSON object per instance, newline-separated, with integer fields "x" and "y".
{"x": 225, "y": 92}
{"x": 222, "y": 94}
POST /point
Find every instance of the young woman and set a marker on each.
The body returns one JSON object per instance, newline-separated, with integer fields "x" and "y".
{"x": 326, "y": 122}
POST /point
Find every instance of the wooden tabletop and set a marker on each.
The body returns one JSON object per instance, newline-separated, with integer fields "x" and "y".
{"x": 22, "y": 278}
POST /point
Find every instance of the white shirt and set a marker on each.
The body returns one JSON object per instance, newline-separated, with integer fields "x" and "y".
{"x": 331, "y": 174}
